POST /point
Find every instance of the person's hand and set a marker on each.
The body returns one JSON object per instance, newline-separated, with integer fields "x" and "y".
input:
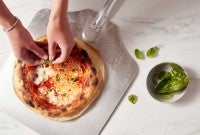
{"x": 59, "y": 36}
{"x": 24, "y": 47}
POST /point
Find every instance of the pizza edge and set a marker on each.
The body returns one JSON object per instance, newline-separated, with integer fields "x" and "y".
{"x": 96, "y": 60}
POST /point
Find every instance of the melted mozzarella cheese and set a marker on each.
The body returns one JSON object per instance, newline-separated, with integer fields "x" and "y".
{"x": 65, "y": 88}
{"x": 58, "y": 99}
{"x": 43, "y": 74}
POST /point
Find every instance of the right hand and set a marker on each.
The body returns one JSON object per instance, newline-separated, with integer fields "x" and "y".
{"x": 59, "y": 35}
{"x": 24, "y": 47}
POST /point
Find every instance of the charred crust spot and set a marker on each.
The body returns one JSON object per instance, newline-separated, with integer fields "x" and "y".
{"x": 84, "y": 53}
{"x": 54, "y": 113}
{"x": 82, "y": 97}
{"x": 26, "y": 88}
{"x": 95, "y": 82}
{"x": 63, "y": 109}
{"x": 29, "y": 102}
{"x": 94, "y": 70}
{"x": 50, "y": 113}
{"x": 23, "y": 77}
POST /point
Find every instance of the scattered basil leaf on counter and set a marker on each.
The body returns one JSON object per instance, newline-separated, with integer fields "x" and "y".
{"x": 152, "y": 52}
{"x": 132, "y": 98}
{"x": 138, "y": 54}
{"x": 167, "y": 83}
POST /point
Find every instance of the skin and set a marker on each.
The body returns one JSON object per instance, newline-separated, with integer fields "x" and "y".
{"x": 58, "y": 33}
{"x": 63, "y": 38}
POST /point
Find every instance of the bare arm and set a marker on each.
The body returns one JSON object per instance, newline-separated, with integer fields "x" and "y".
{"x": 58, "y": 32}
{"x": 6, "y": 17}
{"x": 22, "y": 43}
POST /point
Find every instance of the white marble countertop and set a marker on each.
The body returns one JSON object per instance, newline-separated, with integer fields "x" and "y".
{"x": 173, "y": 25}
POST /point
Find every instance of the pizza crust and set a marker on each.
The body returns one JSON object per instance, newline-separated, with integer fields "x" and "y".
{"x": 19, "y": 86}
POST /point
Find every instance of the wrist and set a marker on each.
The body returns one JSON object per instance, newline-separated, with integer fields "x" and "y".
{"x": 57, "y": 21}
{"x": 59, "y": 10}
{"x": 11, "y": 25}
{"x": 58, "y": 16}
{"x": 8, "y": 22}
{"x": 16, "y": 31}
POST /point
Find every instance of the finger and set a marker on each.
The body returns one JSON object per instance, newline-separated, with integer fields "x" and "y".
{"x": 34, "y": 63}
{"x": 38, "y": 51}
{"x": 52, "y": 50}
{"x": 37, "y": 62}
{"x": 31, "y": 62}
{"x": 30, "y": 58}
{"x": 63, "y": 56}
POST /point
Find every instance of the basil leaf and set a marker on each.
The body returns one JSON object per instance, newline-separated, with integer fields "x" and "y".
{"x": 152, "y": 52}
{"x": 161, "y": 86}
{"x": 176, "y": 68}
{"x": 161, "y": 76}
{"x": 165, "y": 96}
{"x": 64, "y": 94}
{"x": 171, "y": 82}
{"x": 132, "y": 98}
{"x": 57, "y": 78}
{"x": 139, "y": 54}
{"x": 47, "y": 61}
{"x": 172, "y": 85}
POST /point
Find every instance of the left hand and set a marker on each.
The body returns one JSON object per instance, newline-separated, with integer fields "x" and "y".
{"x": 24, "y": 46}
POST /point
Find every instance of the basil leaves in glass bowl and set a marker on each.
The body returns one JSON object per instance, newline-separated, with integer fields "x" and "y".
{"x": 167, "y": 82}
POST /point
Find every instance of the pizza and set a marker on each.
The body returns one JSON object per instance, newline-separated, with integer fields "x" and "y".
{"x": 63, "y": 91}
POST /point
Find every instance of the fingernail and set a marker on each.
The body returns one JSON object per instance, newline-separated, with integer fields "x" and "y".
{"x": 45, "y": 57}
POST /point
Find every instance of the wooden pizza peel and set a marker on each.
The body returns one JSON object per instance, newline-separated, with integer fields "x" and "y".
{"x": 120, "y": 72}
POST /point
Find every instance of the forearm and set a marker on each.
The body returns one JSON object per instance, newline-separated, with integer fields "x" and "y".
{"x": 6, "y": 17}
{"x": 59, "y": 10}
